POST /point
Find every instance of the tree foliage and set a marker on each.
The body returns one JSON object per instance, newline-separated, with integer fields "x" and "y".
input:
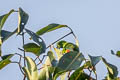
{"x": 63, "y": 59}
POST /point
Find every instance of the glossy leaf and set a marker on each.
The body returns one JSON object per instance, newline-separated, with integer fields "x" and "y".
{"x": 45, "y": 73}
{"x": 71, "y": 47}
{"x": 29, "y": 77}
{"x": 51, "y": 56}
{"x": 94, "y": 59}
{"x": 33, "y": 36}
{"x": 4, "y": 63}
{"x": 3, "y": 18}
{"x": 49, "y": 28}
{"x": 32, "y": 47}
{"x": 31, "y": 71}
{"x": 71, "y": 60}
{"x": 112, "y": 69}
{"x": 60, "y": 44}
{"x": 8, "y": 56}
{"x": 58, "y": 72}
{"x": 36, "y": 39}
{"x": 79, "y": 74}
{"x": 23, "y": 19}
{"x": 5, "y": 35}
{"x": 47, "y": 70}
{"x": 5, "y": 60}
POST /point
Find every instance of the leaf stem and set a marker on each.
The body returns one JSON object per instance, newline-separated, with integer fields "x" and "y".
{"x": 23, "y": 41}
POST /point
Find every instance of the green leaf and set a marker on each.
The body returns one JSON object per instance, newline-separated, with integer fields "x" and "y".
{"x": 32, "y": 69}
{"x": 94, "y": 59}
{"x": 112, "y": 69}
{"x": 5, "y": 60}
{"x": 33, "y": 36}
{"x": 47, "y": 70}
{"x": 32, "y": 47}
{"x": 51, "y": 56}
{"x": 8, "y": 56}
{"x": 23, "y": 19}
{"x": 60, "y": 44}
{"x": 36, "y": 39}
{"x": 58, "y": 72}
{"x": 49, "y": 28}
{"x": 118, "y": 53}
{"x": 71, "y": 47}
{"x": 4, "y": 17}
{"x": 71, "y": 60}
{"x": 5, "y": 35}
{"x": 4, "y": 63}
{"x": 45, "y": 73}
{"x": 79, "y": 74}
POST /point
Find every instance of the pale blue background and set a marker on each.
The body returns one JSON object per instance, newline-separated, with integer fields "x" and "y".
{"x": 95, "y": 22}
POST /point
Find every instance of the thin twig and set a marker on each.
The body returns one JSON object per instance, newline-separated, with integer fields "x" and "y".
{"x": 69, "y": 74}
{"x": 59, "y": 39}
{"x": 23, "y": 40}
{"x": 19, "y": 66}
{"x": 21, "y": 49}
{"x": 40, "y": 61}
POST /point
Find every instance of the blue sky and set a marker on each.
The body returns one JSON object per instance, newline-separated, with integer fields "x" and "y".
{"x": 95, "y": 22}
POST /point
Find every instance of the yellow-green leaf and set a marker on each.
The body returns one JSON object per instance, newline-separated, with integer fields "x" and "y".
{"x": 49, "y": 28}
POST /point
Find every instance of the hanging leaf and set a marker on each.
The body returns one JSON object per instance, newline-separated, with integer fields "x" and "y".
{"x": 5, "y": 35}
{"x": 33, "y": 36}
{"x": 112, "y": 69}
{"x": 51, "y": 56}
{"x": 58, "y": 72}
{"x": 31, "y": 71}
{"x": 4, "y": 17}
{"x": 5, "y": 60}
{"x": 29, "y": 77}
{"x": 36, "y": 39}
{"x": 79, "y": 74}
{"x": 34, "y": 48}
{"x": 46, "y": 73}
{"x": 47, "y": 68}
{"x": 94, "y": 59}
{"x": 49, "y": 28}
{"x": 23, "y": 19}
